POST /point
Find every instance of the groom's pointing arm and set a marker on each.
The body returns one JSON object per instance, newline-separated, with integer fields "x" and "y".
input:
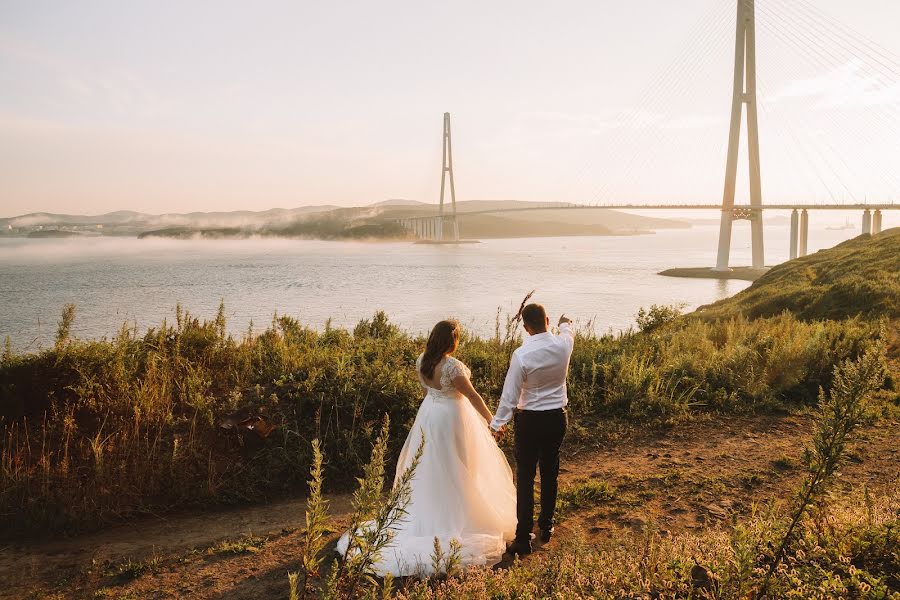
{"x": 509, "y": 399}
{"x": 566, "y": 331}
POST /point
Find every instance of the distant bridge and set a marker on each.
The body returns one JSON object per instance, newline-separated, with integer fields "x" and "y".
{"x": 744, "y": 102}
{"x": 430, "y": 227}
{"x": 737, "y": 207}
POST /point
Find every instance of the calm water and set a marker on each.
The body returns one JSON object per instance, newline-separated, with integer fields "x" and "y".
{"x": 600, "y": 279}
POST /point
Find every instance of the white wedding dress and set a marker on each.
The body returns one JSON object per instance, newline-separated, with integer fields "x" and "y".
{"x": 462, "y": 489}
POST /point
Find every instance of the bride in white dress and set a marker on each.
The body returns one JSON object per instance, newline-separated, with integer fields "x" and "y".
{"x": 463, "y": 488}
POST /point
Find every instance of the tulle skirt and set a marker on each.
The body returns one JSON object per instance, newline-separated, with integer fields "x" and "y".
{"x": 462, "y": 490}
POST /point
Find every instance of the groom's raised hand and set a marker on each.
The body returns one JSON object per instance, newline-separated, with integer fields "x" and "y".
{"x": 563, "y": 319}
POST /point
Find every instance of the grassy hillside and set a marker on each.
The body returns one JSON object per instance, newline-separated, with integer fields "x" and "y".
{"x": 858, "y": 277}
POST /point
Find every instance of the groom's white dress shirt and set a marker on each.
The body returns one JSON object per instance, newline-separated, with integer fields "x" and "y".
{"x": 536, "y": 379}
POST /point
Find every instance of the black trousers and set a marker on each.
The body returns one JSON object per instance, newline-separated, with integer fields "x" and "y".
{"x": 538, "y": 437}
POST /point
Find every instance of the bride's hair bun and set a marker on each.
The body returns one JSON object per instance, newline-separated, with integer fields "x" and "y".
{"x": 443, "y": 340}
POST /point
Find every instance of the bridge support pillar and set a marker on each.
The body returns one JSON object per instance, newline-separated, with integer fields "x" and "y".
{"x": 867, "y": 221}
{"x": 447, "y": 170}
{"x": 756, "y": 240}
{"x": 724, "y": 240}
{"x": 743, "y": 92}
{"x": 804, "y": 233}
{"x": 795, "y": 233}
{"x": 876, "y": 222}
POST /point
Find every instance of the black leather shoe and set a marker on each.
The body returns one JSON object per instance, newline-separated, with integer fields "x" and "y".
{"x": 546, "y": 534}
{"x": 520, "y": 548}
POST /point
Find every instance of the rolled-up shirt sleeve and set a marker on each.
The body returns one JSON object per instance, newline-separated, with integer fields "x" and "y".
{"x": 566, "y": 331}
{"x": 509, "y": 399}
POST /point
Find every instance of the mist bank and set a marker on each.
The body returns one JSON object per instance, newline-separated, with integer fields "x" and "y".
{"x": 375, "y": 221}
{"x": 386, "y": 229}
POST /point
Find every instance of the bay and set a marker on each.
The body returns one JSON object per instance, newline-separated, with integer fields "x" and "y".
{"x": 600, "y": 282}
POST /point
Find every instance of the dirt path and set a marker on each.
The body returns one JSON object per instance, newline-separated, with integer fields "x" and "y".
{"x": 143, "y": 540}
{"x": 701, "y": 474}
{"x": 691, "y": 477}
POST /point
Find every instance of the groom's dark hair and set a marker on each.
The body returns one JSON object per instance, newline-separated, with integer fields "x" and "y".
{"x": 535, "y": 317}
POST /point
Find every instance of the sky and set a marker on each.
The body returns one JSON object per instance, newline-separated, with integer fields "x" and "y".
{"x": 204, "y": 106}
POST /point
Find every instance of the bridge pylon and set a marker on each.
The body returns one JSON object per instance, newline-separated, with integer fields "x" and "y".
{"x": 744, "y": 92}
{"x": 447, "y": 171}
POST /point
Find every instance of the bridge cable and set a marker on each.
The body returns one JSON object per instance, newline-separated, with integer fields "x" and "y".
{"x": 814, "y": 41}
{"x": 710, "y": 39}
{"x": 652, "y": 95}
{"x": 815, "y": 60}
{"x": 820, "y": 61}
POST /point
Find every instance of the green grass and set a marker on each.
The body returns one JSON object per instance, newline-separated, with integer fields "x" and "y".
{"x": 244, "y": 545}
{"x": 582, "y": 494}
{"x": 858, "y": 277}
{"x": 128, "y": 568}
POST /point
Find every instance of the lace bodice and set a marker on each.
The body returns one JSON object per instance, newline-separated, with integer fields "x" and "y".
{"x": 451, "y": 369}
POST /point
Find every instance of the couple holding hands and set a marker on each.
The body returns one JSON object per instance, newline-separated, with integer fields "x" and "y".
{"x": 463, "y": 487}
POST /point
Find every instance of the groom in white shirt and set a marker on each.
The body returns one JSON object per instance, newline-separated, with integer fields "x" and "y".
{"x": 534, "y": 394}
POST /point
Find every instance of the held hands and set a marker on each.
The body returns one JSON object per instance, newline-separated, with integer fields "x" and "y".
{"x": 499, "y": 434}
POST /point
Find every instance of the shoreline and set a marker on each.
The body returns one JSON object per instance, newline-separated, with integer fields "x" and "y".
{"x": 741, "y": 273}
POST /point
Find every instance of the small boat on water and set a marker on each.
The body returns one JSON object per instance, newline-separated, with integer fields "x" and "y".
{"x": 847, "y": 225}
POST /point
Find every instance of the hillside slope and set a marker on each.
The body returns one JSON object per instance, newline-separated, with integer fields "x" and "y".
{"x": 858, "y": 277}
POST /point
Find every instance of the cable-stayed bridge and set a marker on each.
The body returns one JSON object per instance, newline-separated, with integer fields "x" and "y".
{"x": 819, "y": 161}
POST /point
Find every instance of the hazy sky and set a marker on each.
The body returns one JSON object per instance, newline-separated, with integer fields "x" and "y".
{"x": 180, "y": 106}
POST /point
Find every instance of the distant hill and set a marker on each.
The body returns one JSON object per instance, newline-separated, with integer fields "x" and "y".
{"x": 127, "y": 219}
{"x": 858, "y": 277}
{"x": 561, "y": 221}
{"x": 335, "y": 222}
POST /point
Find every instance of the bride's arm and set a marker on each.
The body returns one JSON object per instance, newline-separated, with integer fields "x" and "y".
{"x": 419, "y": 374}
{"x": 462, "y": 383}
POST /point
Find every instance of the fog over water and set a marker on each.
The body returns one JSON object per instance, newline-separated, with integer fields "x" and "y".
{"x": 602, "y": 280}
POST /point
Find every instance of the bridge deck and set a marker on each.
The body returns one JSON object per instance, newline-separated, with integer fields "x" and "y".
{"x": 890, "y": 206}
